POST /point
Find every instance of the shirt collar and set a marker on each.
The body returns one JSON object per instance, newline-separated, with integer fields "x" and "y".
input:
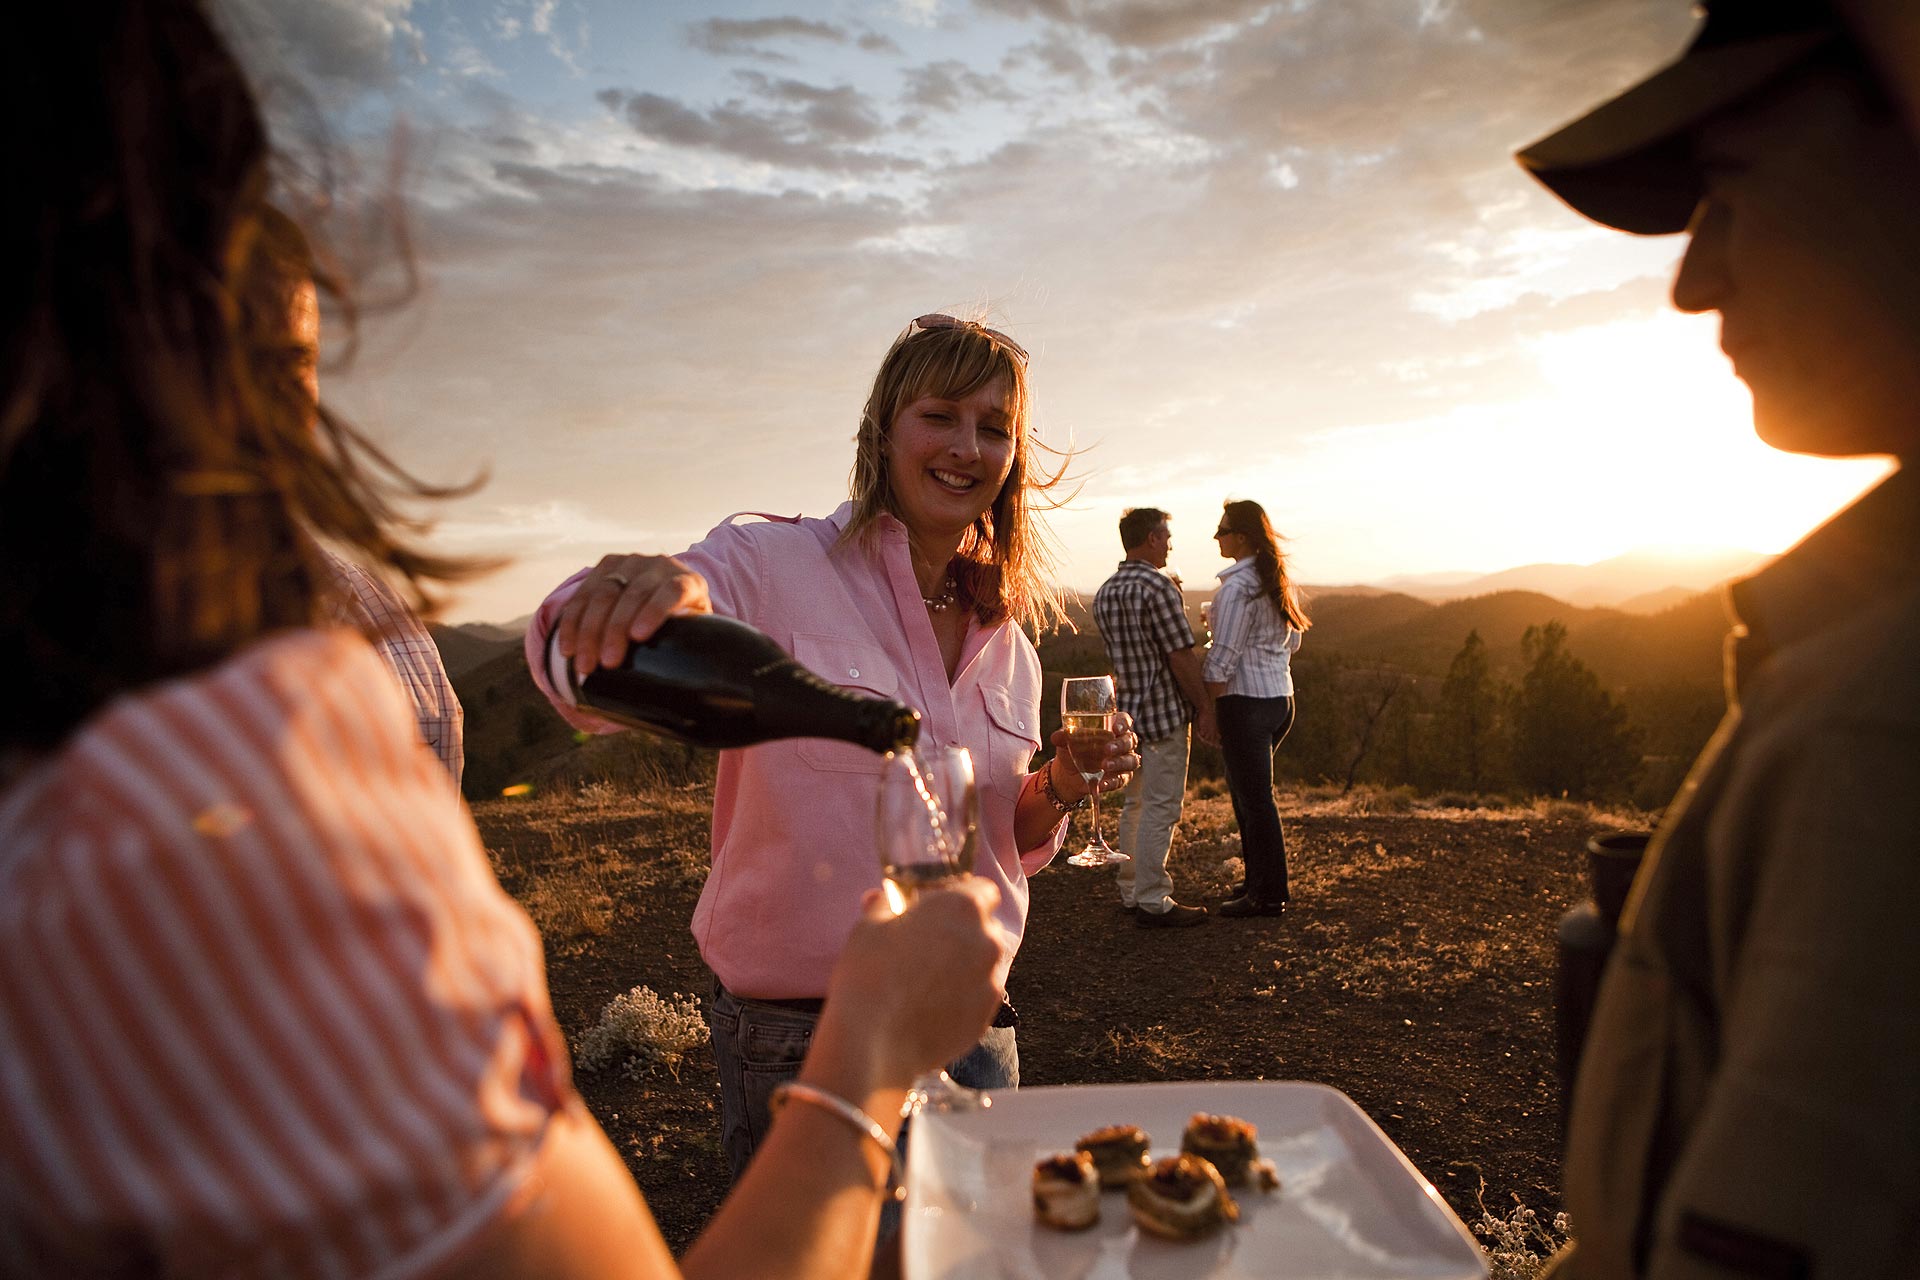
{"x": 1849, "y": 564}
{"x": 1235, "y": 567}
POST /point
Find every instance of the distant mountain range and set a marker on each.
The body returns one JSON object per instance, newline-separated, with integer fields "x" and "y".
{"x": 1638, "y": 582}
{"x": 1395, "y": 614}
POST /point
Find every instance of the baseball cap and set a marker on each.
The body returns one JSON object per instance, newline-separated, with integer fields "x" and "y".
{"x": 1629, "y": 163}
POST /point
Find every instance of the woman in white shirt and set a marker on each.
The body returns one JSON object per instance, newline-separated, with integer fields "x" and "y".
{"x": 1257, "y": 623}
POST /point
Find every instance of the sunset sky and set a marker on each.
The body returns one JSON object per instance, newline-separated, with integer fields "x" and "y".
{"x": 1267, "y": 250}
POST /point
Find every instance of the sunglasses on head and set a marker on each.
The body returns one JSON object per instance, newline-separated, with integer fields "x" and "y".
{"x": 939, "y": 320}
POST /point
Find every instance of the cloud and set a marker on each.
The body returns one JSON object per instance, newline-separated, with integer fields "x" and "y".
{"x": 327, "y": 45}
{"x": 1140, "y": 23}
{"x": 950, "y": 86}
{"x": 744, "y": 37}
{"x": 797, "y": 126}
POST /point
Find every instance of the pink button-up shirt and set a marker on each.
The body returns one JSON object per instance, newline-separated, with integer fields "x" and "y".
{"x": 793, "y": 839}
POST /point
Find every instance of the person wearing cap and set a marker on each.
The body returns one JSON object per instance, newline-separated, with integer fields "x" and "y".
{"x": 1748, "y": 1103}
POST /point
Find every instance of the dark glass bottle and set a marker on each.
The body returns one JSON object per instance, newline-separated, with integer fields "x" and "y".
{"x": 717, "y": 682}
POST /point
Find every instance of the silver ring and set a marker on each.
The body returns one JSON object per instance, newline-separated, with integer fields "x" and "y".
{"x": 619, "y": 579}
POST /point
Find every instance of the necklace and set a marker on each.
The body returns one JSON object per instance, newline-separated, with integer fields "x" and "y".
{"x": 944, "y": 601}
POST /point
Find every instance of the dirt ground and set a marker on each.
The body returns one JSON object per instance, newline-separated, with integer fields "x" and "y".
{"x": 1414, "y": 972}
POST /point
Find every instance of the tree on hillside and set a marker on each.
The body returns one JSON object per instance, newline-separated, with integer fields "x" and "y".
{"x": 1366, "y": 702}
{"x": 1467, "y": 724}
{"x": 1570, "y": 737}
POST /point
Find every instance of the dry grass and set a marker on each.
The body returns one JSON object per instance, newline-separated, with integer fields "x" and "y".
{"x": 1364, "y": 800}
{"x": 1156, "y": 1050}
{"x": 575, "y": 856}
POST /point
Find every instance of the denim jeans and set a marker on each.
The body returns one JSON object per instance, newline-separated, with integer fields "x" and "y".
{"x": 1250, "y": 729}
{"x": 757, "y": 1045}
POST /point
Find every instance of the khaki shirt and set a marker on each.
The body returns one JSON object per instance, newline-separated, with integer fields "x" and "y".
{"x": 1749, "y": 1099}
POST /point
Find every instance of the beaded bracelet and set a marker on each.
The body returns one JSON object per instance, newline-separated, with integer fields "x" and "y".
{"x": 1053, "y": 796}
{"x": 896, "y": 1188}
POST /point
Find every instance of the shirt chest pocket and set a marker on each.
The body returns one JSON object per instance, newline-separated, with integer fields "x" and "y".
{"x": 861, "y": 667}
{"x": 1013, "y": 735}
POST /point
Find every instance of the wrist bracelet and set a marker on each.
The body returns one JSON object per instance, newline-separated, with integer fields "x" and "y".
{"x": 868, "y": 1127}
{"x": 1053, "y": 796}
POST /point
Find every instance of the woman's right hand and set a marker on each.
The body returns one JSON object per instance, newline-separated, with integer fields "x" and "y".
{"x": 621, "y": 602}
{"x": 918, "y": 988}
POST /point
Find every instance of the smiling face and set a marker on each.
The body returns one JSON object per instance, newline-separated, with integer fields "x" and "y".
{"x": 1804, "y": 245}
{"x": 948, "y": 458}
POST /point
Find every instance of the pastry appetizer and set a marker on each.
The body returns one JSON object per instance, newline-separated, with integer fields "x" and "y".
{"x": 1228, "y": 1142}
{"x": 1066, "y": 1192}
{"x": 1181, "y": 1198}
{"x": 1119, "y": 1153}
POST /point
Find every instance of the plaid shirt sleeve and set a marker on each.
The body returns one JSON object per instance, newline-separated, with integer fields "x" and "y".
{"x": 406, "y": 646}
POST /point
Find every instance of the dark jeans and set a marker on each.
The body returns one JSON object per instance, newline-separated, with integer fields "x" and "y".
{"x": 758, "y": 1044}
{"x": 1250, "y": 729}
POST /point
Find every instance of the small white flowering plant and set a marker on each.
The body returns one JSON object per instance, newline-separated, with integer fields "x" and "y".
{"x": 642, "y": 1030}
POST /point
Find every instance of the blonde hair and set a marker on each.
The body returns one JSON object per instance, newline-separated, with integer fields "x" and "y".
{"x": 1004, "y": 568}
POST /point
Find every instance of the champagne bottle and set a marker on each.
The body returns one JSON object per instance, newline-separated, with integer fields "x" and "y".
{"x": 717, "y": 682}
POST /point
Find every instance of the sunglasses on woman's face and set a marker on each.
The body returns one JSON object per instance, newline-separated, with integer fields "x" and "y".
{"x": 1223, "y": 533}
{"x": 939, "y": 320}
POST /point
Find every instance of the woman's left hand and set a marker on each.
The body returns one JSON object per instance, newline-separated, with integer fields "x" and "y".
{"x": 1122, "y": 760}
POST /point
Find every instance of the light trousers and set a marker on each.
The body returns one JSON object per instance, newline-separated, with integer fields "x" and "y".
{"x": 1147, "y": 819}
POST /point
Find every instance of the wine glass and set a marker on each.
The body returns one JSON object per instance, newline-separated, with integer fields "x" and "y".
{"x": 924, "y": 827}
{"x": 1087, "y": 710}
{"x": 926, "y": 820}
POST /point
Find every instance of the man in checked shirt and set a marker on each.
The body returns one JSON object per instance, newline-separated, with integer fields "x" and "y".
{"x": 1156, "y": 673}
{"x": 365, "y": 602}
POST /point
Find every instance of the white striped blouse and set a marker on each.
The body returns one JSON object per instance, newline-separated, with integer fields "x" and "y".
{"x": 264, "y": 1009}
{"x": 1253, "y": 643}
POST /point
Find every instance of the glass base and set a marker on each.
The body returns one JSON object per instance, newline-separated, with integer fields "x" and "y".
{"x": 1097, "y": 855}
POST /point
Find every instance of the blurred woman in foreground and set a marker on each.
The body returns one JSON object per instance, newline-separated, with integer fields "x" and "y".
{"x": 1257, "y": 625}
{"x": 263, "y": 1007}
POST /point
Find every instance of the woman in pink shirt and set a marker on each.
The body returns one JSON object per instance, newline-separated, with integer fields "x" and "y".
{"x": 916, "y": 588}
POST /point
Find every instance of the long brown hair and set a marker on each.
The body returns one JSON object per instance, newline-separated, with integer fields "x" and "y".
{"x": 1249, "y": 520}
{"x": 1004, "y": 568}
{"x": 162, "y": 477}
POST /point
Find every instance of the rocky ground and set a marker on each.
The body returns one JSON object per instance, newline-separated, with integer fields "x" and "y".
{"x": 1414, "y": 972}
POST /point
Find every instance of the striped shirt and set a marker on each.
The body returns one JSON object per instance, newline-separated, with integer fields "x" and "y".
{"x": 410, "y": 653}
{"x": 1142, "y": 617}
{"x": 1253, "y": 643}
{"x": 264, "y": 1009}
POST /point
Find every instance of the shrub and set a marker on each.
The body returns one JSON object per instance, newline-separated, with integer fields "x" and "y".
{"x": 1519, "y": 1244}
{"x": 640, "y": 1030}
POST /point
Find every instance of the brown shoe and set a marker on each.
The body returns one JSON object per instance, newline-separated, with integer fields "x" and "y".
{"x": 1174, "y": 917}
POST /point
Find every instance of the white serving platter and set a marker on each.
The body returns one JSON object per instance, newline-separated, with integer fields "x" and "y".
{"x": 1350, "y": 1204}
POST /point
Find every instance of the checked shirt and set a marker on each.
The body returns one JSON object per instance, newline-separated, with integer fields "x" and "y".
{"x": 1142, "y": 619}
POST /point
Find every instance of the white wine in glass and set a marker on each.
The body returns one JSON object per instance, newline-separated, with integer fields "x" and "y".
{"x": 1087, "y": 711}
{"x": 925, "y": 822}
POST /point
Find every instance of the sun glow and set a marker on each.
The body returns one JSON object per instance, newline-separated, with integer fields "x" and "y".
{"x": 1632, "y": 436}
